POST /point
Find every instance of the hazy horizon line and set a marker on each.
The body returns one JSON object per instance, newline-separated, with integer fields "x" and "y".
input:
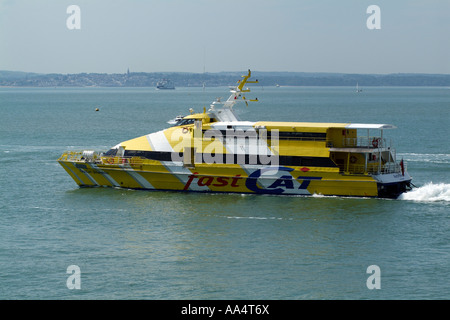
{"x": 218, "y": 72}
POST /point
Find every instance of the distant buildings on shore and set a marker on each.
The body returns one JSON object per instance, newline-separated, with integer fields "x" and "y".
{"x": 182, "y": 79}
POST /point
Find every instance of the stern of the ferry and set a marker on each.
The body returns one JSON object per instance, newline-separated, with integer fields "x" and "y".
{"x": 357, "y": 152}
{"x": 392, "y": 185}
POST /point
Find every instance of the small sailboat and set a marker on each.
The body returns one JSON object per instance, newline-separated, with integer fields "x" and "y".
{"x": 357, "y": 88}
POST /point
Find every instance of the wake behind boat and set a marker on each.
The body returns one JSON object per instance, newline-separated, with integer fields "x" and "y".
{"x": 214, "y": 151}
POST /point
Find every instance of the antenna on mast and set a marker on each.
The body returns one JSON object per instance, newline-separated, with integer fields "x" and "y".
{"x": 225, "y": 113}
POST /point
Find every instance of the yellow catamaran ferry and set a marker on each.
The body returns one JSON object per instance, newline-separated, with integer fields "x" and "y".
{"x": 214, "y": 151}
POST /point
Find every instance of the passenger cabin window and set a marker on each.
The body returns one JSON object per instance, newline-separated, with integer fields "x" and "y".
{"x": 184, "y": 122}
{"x": 111, "y": 152}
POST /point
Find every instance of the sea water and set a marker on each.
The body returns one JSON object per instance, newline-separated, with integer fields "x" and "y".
{"x": 128, "y": 244}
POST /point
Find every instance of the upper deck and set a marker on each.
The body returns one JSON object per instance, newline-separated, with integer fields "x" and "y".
{"x": 219, "y": 132}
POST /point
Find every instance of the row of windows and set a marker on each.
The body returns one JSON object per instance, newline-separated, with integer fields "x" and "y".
{"x": 236, "y": 158}
{"x": 321, "y": 136}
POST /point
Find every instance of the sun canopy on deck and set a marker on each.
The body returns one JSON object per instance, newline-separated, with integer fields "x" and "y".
{"x": 370, "y": 126}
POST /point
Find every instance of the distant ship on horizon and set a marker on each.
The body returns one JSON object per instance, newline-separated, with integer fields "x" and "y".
{"x": 165, "y": 84}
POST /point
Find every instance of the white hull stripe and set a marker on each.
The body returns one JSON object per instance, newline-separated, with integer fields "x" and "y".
{"x": 140, "y": 179}
{"x": 158, "y": 141}
{"x": 183, "y": 175}
{"x": 74, "y": 174}
{"x": 89, "y": 177}
{"x": 106, "y": 175}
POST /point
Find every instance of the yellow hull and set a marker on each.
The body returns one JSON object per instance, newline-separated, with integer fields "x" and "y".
{"x": 280, "y": 180}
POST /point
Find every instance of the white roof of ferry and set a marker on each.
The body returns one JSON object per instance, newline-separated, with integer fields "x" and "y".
{"x": 326, "y": 125}
{"x": 370, "y": 126}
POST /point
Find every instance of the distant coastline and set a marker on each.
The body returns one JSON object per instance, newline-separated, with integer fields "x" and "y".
{"x": 183, "y": 79}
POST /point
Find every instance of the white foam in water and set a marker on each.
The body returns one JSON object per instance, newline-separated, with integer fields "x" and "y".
{"x": 429, "y": 192}
{"x": 425, "y": 157}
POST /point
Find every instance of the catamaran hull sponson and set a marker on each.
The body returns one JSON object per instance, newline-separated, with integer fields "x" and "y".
{"x": 263, "y": 180}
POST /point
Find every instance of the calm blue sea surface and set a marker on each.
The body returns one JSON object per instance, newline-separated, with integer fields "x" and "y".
{"x": 168, "y": 245}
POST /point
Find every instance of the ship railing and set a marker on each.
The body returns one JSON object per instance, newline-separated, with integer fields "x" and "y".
{"x": 106, "y": 160}
{"x": 81, "y": 156}
{"x": 72, "y": 156}
{"x": 373, "y": 168}
{"x": 365, "y": 142}
{"x": 93, "y": 157}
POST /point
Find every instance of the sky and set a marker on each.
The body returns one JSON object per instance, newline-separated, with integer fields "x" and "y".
{"x": 225, "y": 35}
